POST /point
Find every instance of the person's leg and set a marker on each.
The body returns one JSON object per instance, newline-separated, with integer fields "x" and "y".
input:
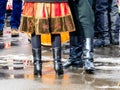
{"x": 76, "y": 44}
{"x": 114, "y": 22}
{"x": 102, "y": 23}
{"x": 36, "y": 50}
{"x": 75, "y": 41}
{"x": 2, "y": 15}
{"x": 86, "y": 19}
{"x": 15, "y": 17}
{"x": 56, "y": 47}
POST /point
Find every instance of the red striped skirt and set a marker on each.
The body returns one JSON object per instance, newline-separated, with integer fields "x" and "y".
{"x": 43, "y": 18}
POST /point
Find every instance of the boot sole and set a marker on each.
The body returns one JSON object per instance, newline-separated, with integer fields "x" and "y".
{"x": 14, "y": 35}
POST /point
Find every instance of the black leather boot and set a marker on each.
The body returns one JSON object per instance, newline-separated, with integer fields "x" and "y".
{"x": 102, "y": 40}
{"x": 37, "y": 61}
{"x": 57, "y": 61}
{"x": 76, "y": 45}
{"x": 75, "y": 58}
{"x": 115, "y": 38}
{"x": 88, "y": 56}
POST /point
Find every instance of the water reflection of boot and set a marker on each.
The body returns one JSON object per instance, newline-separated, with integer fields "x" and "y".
{"x": 57, "y": 61}
{"x": 88, "y": 56}
{"x": 37, "y": 61}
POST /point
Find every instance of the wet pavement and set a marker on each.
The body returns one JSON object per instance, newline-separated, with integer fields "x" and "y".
{"x": 16, "y": 68}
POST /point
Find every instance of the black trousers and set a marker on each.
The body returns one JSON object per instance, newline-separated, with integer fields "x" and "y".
{"x": 83, "y": 17}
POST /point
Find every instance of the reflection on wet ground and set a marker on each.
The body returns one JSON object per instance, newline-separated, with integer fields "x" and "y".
{"x": 16, "y": 69}
{"x": 111, "y": 51}
{"x": 73, "y": 79}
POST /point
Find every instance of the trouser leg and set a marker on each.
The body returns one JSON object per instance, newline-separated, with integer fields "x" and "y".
{"x": 102, "y": 23}
{"x": 75, "y": 41}
{"x": 86, "y": 19}
{"x": 114, "y": 22}
{"x": 75, "y": 54}
{"x": 2, "y": 15}
{"x": 16, "y": 14}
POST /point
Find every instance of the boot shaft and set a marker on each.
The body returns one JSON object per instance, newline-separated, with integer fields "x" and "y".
{"x": 36, "y": 54}
{"x": 88, "y": 55}
{"x": 76, "y": 46}
{"x": 88, "y": 49}
{"x": 57, "y": 54}
{"x": 57, "y": 61}
{"x": 37, "y": 61}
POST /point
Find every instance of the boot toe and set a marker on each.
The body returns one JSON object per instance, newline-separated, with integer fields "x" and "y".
{"x": 89, "y": 66}
{"x": 90, "y": 71}
{"x": 67, "y": 63}
{"x": 59, "y": 72}
{"x": 78, "y": 64}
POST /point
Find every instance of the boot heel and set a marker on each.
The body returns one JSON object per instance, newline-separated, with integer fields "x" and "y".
{"x": 58, "y": 73}
{"x": 58, "y": 68}
{"x": 38, "y": 73}
{"x": 38, "y": 69}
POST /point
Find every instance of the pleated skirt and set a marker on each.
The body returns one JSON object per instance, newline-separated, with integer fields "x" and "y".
{"x": 45, "y": 18}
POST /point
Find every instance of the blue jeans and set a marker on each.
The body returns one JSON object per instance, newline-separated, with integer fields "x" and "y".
{"x": 16, "y": 13}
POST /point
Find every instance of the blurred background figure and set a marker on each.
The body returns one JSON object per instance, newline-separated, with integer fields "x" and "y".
{"x": 107, "y": 23}
{"x": 15, "y": 16}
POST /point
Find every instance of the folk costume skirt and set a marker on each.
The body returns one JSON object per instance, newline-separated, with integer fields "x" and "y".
{"x": 45, "y": 18}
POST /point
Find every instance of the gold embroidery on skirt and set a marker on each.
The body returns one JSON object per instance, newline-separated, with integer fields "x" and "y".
{"x": 48, "y": 23}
